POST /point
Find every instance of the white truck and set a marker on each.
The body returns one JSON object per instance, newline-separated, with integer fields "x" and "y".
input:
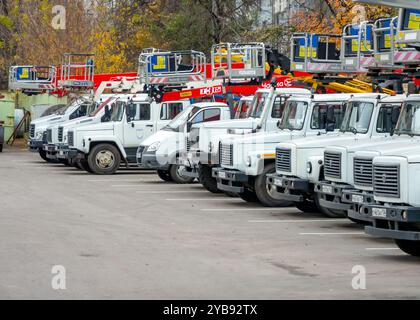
{"x": 38, "y": 127}
{"x": 346, "y": 192}
{"x": 246, "y": 161}
{"x": 203, "y": 139}
{"x": 56, "y": 145}
{"x": 102, "y": 147}
{"x": 301, "y": 164}
{"x": 162, "y": 150}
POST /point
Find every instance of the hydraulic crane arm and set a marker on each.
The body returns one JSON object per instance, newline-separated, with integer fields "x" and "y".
{"x": 406, "y": 4}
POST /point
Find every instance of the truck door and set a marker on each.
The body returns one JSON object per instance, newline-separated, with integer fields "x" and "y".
{"x": 168, "y": 111}
{"x": 276, "y": 113}
{"x": 138, "y": 125}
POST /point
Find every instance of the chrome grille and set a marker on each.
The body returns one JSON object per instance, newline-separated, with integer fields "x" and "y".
{"x": 283, "y": 160}
{"x": 32, "y": 131}
{"x": 386, "y": 181}
{"x": 363, "y": 171}
{"x": 332, "y": 165}
{"x": 60, "y": 134}
{"x": 49, "y": 135}
{"x": 226, "y": 154}
{"x": 70, "y": 138}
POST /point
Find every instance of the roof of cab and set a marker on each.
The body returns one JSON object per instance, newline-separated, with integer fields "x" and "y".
{"x": 333, "y": 97}
{"x": 287, "y": 91}
{"x": 209, "y": 104}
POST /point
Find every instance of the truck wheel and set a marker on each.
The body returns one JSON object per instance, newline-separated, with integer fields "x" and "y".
{"x": 175, "y": 172}
{"x": 65, "y": 162}
{"x": 164, "y": 175}
{"x": 206, "y": 179}
{"x": 265, "y": 192}
{"x": 248, "y": 196}
{"x": 1, "y": 147}
{"x": 307, "y": 206}
{"x": 43, "y": 155}
{"x": 328, "y": 212}
{"x": 104, "y": 159}
{"x": 231, "y": 194}
{"x": 84, "y": 165}
{"x": 409, "y": 247}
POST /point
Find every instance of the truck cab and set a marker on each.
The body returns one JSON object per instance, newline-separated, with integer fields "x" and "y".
{"x": 38, "y": 128}
{"x": 300, "y": 164}
{"x": 246, "y": 161}
{"x": 346, "y": 192}
{"x": 263, "y": 116}
{"x": 102, "y": 147}
{"x": 56, "y": 146}
{"x": 162, "y": 150}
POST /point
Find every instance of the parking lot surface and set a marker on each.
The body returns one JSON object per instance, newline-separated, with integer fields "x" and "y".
{"x": 132, "y": 236}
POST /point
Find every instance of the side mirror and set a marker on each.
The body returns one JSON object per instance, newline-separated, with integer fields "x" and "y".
{"x": 329, "y": 127}
{"x": 330, "y": 120}
{"x": 278, "y": 124}
{"x": 395, "y": 115}
{"x": 130, "y": 112}
{"x": 189, "y": 126}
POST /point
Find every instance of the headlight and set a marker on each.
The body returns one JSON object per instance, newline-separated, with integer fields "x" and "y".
{"x": 153, "y": 147}
{"x": 309, "y": 167}
{"x": 248, "y": 161}
{"x": 39, "y": 135}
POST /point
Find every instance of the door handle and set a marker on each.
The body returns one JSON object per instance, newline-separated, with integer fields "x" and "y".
{"x": 149, "y": 125}
{"x": 132, "y": 125}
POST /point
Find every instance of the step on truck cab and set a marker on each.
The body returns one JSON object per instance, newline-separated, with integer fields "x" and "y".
{"x": 38, "y": 128}
{"x": 263, "y": 116}
{"x": 162, "y": 150}
{"x": 346, "y": 188}
{"x": 101, "y": 148}
{"x": 57, "y": 146}
{"x": 246, "y": 161}
{"x": 300, "y": 163}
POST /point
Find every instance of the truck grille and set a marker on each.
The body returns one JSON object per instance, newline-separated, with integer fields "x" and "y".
{"x": 32, "y": 131}
{"x": 60, "y": 134}
{"x": 188, "y": 144}
{"x": 332, "y": 165}
{"x": 386, "y": 180}
{"x": 49, "y": 135}
{"x": 226, "y": 154}
{"x": 283, "y": 160}
{"x": 363, "y": 172}
{"x": 70, "y": 138}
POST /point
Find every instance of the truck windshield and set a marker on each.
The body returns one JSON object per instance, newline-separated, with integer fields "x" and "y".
{"x": 242, "y": 109}
{"x": 409, "y": 122}
{"x": 63, "y": 110}
{"x": 294, "y": 115}
{"x": 258, "y": 105}
{"x": 357, "y": 117}
{"x": 181, "y": 118}
{"x": 117, "y": 111}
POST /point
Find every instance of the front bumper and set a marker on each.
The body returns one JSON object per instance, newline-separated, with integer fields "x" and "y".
{"x": 230, "y": 180}
{"x": 62, "y": 152}
{"x": 149, "y": 161}
{"x": 288, "y": 188}
{"x": 357, "y": 199}
{"x": 35, "y": 145}
{"x": 331, "y": 195}
{"x": 393, "y": 221}
{"x": 74, "y": 155}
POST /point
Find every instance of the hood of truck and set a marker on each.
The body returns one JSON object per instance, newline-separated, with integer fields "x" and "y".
{"x": 160, "y": 136}
{"x": 75, "y": 122}
{"x": 321, "y": 142}
{"x": 46, "y": 119}
{"x": 229, "y": 124}
{"x": 263, "y": 137}
{"x": 98, "y": 127}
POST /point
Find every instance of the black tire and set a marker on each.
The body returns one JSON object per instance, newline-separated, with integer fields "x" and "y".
{"x": 177, "y": 177}
{"x": 164, "y": 175}
{"x": 410, "y": 247}
{"x": 84, "y": 165}
{"x": 263, "y": 191}
{"x": 231, "y": 194}
{"x": 249, "y": 196}
{"x": 104, "y": 159}
{"x": 1, "y": 147}
{"x": 65, "y": 162}
{"x": 206, "y": 179}
{"x": 328, "y": 212}
{"x": 307, "y": 206}
{"x": 43, "y": 155}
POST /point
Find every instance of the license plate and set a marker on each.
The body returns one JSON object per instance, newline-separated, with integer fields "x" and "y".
{"x": 357, "y": 199}
{"x": 222, "y": 175}
{"x": 61, "y": 153}
{"x": 379, "y": 213}
{"x": 278, "y": 182}
{"x": 327, "y": 189}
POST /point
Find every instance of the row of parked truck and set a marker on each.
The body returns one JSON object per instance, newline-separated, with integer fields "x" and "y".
{"x": 351, "y": 155}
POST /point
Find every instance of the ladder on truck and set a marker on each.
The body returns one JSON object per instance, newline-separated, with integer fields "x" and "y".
{"x": 238, "y": 61}
{"x": 32, "y": 79}
{"x": 77, "y": 72}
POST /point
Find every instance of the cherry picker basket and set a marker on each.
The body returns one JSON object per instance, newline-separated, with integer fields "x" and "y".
{"x": 238, "y": 61}
{"x": 32, "y": 79}
{"x": 162, "y": 68}
{"x": 77, "y": 72}
{"x": 409, "y": 27}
